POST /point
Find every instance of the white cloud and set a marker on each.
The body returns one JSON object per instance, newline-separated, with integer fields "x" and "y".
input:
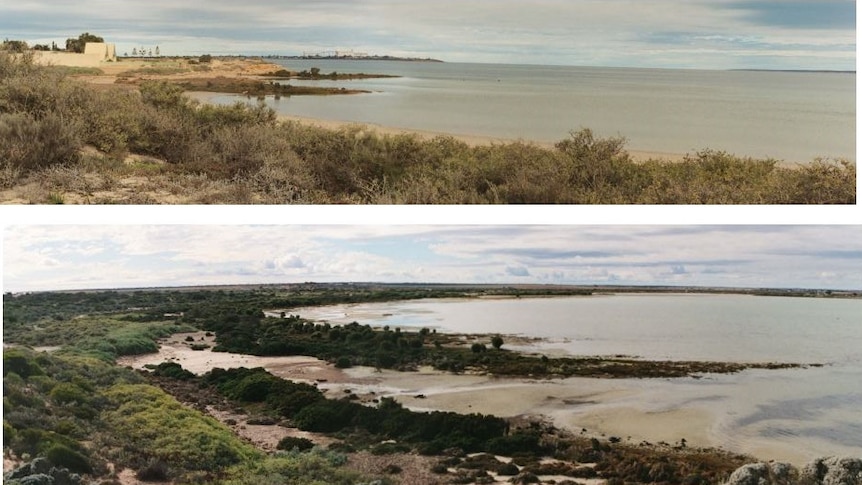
{"x": 54, "y": 257}
{"x": 694, "y": 33}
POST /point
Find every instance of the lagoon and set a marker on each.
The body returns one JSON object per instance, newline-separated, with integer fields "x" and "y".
{"x": 791, "y": 414}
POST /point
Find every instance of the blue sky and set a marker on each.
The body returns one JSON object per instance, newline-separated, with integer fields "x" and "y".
{"x": 46, "y": 257}
{"x": 711, "y": 34}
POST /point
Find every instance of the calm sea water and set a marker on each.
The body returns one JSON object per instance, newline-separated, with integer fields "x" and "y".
{"x": 785, "y": 115}
{"x": 816, "y": 411}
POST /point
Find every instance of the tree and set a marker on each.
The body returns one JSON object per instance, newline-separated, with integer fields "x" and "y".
{"x": 497, "y": 342}
{"x": 14, "y": 45}
{"x": 134, "y": 52}
{"x": 77, "y": 45}
{"x": 157, "y": 51}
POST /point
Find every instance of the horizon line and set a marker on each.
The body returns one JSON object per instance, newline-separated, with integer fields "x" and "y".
{"x": 514, "y": 285}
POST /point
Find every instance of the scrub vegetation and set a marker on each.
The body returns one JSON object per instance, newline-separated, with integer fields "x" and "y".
{"x": 71, "y": 405}
{"x": 64, "y": 141}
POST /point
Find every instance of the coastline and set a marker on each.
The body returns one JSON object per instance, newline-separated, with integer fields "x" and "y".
{"x": 472, "y": 140}
{"x": 469, "y": 139}
{"x": 590, "y": 406}
{"x": 249, "y": 69}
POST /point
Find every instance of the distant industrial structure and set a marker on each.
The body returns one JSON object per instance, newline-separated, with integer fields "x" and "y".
{"x": 348, "y": 54}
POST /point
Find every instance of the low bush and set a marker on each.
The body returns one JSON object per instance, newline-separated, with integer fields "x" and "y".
{"x": 301, "y": 468}
{"x": 292, "y": 442}
{"x": 154, "y": 424}
{"x": 63, "y": 456}
{"x": 68, "y": 393}
{"x": 154, "y": 471}
{"x": 172, "y": 370}
{"x": 28, "y": 144}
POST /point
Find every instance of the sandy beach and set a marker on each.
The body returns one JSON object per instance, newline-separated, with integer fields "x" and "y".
{"x": 469, "y": 139}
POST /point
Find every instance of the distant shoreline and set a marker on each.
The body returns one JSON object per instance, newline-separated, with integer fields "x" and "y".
{"x": 355, "y": 58}
{"x": 811, "y": 71}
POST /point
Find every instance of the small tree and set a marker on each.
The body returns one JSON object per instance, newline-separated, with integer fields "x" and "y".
{"x": 14, "y": 45}
{"x": 205, "y": 58}
{"x": 134, "y": 51}
{"x": 157, "y": 54}
{"x": 77, "y": 45}
{"x": 497, "y": 342}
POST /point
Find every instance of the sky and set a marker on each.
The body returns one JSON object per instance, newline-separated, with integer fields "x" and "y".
{"x": 702, "y": 34}
{"x": 55, "y": 257}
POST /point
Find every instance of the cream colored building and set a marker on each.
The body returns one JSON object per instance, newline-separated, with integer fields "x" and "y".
{"x": 95, "y": 53}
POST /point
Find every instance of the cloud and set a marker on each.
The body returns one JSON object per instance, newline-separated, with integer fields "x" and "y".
{"x": 658, "y": 33}
{"x": 678, "y": 270}
{"x": 517, "y": 271}
{"x": 802, "y": 14}
{"x": 70, "y": 256}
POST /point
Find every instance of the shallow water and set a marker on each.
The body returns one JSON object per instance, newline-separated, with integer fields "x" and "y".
{"x": 784, "y": 414}
{"x": 790, "y": 116}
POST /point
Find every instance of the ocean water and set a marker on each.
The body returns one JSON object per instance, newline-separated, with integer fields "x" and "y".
{"x": 809, "y": 412}
{"x": 791, "y": 116}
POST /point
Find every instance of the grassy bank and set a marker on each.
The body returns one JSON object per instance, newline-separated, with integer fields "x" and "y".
{"x": 95, "y": 419}
{"x": 62, "y": 141}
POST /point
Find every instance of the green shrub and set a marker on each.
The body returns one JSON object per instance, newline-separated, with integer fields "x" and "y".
{"x": 20, "y": 362}
{"x": 344, "y": 362}
{"x": 154, "y": 471}
{"x": 508, "y": 469}
{"x": 29, "y": 144}
{"x": 291, "y": 442}
{"x": 8, "y": 434}
{"x": 517, "y": 443}
{"x": 62, "y": 456}
{"x": 326, "y": 416}
{"x": 164, "y": 95}
{"x": 67, "y": 393}
{"x": 155, "y": 425}
{"x": 314, "y": 467}
{"x": 172, "y": 370}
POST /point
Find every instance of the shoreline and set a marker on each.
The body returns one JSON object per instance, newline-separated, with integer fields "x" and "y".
{"x": 593, "y": 407}
{"x": 472, "y": 140}
{"x": 253, "y": 69}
